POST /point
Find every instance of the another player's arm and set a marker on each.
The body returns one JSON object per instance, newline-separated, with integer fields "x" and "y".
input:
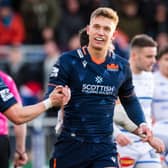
{"x": 132, "y": 106}
{"x": 122, "y": 119}
{"x": 19, "y": 114}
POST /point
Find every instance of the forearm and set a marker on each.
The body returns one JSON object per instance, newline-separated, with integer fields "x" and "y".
{"x": 122, "y": 119}
{"x": 133, "y": 109}
{"x": 19, "y": 114}
{"x": 20, "y": 136}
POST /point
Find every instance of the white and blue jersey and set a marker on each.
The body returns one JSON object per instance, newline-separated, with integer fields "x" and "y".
{"x": 6, "y": 97}
{"x": 160, "y": 102}
{"x": 141, "y": 154}
{"x": 160, "y": 108}
{"x": 94, "y": 90}
{"x": 144, "y": 89}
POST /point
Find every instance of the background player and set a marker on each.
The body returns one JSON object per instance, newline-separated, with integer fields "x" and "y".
{"x": 160, "y": 101}
{"x": 143, "y": 50}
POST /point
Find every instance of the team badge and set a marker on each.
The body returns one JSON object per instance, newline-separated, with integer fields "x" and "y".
{"x": 112, "y": 67}
{"x": 127, "y": 161}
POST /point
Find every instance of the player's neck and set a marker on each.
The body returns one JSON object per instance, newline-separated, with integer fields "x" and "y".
{"x": 97, "y": 54}
{"x": 135, "y": 70}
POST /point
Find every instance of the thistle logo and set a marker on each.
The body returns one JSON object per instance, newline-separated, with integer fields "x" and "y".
{"x": 98, "y": 79}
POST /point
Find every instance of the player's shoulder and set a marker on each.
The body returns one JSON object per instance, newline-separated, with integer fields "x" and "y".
{"x": 122, "y": 62}
{"x": 5, "y": 77}
{"x": 121, "y": 59}
{"x": 71, "y": 54}
{"x": 2, "y": 84}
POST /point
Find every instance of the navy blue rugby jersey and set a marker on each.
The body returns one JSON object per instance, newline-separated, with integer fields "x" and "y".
{"x": 6, "y": 97}
{"x": 94, "y": 90}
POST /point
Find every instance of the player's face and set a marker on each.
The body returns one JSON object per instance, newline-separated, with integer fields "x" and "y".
{"x": 145, "y": 58}
{"x": 101, "y": 31}
{"x": 163, "y": 65}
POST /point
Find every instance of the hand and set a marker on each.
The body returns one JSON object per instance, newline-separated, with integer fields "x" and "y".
{"x": 123, "y": 140}
{"x": 157, "y": 144}
{"x": 20, "y": 159}
{"x": 145, "y": 132}
{"x": 67, "y": 95}
{"x": 56, "y": 96}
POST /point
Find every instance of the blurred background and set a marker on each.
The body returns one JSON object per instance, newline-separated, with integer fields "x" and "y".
{"x": 33, "y": 33}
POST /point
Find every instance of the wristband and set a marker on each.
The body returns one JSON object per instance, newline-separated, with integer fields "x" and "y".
{"x": 47, "y": 103}
{"x": 20, "y": 153}
{"x": 143, "y": 124}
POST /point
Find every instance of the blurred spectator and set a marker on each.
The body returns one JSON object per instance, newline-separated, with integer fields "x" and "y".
{"x": 48, "y": 34}
{"x": 87, "y": 6}
{"x": 74, "y": 42}
{"x": 39, "y": 15}
{"x": 15, "y": 60}
{"x": 130, "y": 21}
{"x": 12, "y": 30}
{"x": 52, "y": 53}
{"x": 71, "y": 22}
{"x": 146, "y": 11}
{"x": 28, "y": 75}
{"x": 162, "y": 39}
{"x": 31, "y": 78}
{"x": 121, "y": 44}
{"x": 160, "y": 21}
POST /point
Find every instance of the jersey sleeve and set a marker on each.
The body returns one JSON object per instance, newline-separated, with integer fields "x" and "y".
{"x": 6, "y": 97}
{"x": 13, "y": 89}
{"x": 130, "y": 101}
{"x": 59, "y": 74}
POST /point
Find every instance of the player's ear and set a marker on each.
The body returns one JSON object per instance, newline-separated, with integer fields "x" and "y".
{"x": 133, "y": 54}
{"x": 114, "y": 35}
{"x": 87, "y": 29}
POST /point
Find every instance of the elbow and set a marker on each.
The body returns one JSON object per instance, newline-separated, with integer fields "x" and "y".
{"x": 18, "y": 121}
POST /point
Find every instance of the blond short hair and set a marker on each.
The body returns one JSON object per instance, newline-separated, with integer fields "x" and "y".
{"x": 105, "y": 12}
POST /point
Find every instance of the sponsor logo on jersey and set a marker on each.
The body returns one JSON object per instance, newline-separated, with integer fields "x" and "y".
{"x": 98, "y": 89}
{"x": 54, "y": 72}
{"x": 98, "y": 79}
{"x": 112, "y": 67}
{"x": 5, "y": 94}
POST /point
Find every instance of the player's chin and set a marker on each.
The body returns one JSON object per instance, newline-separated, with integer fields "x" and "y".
{"x": 148, "y": 69}
{"x": 98, "y": 47}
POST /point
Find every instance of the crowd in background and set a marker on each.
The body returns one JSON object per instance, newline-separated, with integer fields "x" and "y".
{"x": 55, "y": 24}
{"x": 36, "y": 21}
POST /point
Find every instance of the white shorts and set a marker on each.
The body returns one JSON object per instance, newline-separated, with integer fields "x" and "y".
{"x": 139, "y": 155}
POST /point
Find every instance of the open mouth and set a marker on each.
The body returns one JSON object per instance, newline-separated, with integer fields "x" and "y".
{"x": 99, "y": 39}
